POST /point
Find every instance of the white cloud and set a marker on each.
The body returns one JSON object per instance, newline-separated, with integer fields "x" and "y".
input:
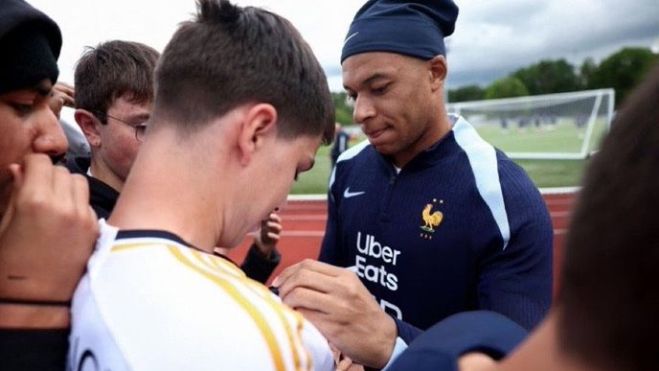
{"x": 493, "y": 37}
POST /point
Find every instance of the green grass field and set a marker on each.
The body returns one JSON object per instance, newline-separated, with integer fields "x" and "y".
{"x": 565, "y": 137}
{"x": 315, "y": 180}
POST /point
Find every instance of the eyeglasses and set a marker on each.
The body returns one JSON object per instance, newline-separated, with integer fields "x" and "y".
{"x": 140, "y": 129}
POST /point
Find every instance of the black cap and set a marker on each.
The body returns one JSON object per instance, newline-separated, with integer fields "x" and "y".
{"x": 30, "y": 43}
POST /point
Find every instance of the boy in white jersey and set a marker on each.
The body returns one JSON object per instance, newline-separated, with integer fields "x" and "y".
{"x": 239, "y": 98}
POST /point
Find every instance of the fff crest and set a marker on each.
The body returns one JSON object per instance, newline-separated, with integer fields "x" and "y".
{"x": 431, "y": 219}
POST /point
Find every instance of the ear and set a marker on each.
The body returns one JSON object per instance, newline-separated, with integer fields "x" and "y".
{"x": 90, "y": 126}
{"x": 437, "y": 71}
{"x": 258, "y": 124}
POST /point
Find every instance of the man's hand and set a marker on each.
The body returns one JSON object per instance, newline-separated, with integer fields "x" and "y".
{"x": 47, "y": 232}
{"x": 61, "y": 95}
{"x": 269, "y": 234}
{"x": 343, "y": 363}
{"x": 336, "y": 302}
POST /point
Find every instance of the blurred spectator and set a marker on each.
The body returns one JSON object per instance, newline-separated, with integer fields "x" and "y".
{"x": 341, "y": 143}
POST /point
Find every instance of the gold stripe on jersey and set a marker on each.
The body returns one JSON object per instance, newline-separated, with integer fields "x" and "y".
{"x": 225, "y": 265}
{"x": 256, "y": 316}
{"x": 213, "y": 264}
{"x": 295, "y": 343}
{"x": 295, "y": 346}
{"x": 300, "y": 327}
{"x": 130, "y": 246}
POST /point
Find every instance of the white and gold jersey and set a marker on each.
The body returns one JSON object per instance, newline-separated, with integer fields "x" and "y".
{"x": 149, "y": 301}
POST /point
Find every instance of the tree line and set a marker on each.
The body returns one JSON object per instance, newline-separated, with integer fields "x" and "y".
{"x": 621, "y": 71}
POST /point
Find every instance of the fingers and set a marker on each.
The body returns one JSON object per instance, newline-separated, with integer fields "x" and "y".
{"x": 307, "y": 279}
{"x": 72, "y": 192}
{"x": 340, "y": 306}
{"x": 50, "y": 229}
{"x": 317, "y": 318}
{"x": 273, "y": 227}
{"x": 267, "y": 225}
{"x": 41, "y": 185}
{"x": 274, "y": 217}
{"x": 62, "y": 86}
{"x": 346, "y": 364}
{"x": 16, "y": 172}
{"x": 68, "y": 101}
{"x": 269, "y": 233}
{"x": 80, "y": 193}
{"x": 61, "y": 95}
{"x": 308, "y": 264}
{"x": 63, "y": 187}
{"x": 311, "y": 300}
{"x": 37, "y": 180}
{"x": 81, "y": 200}
{"x": 66, "y": 92}
{"x": 35, "y": 166}
{"x": 273, "y": 236}
{"x": 273, "y": 223}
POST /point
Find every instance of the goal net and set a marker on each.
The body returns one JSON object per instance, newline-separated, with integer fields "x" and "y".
{"x": 548, "y": 127}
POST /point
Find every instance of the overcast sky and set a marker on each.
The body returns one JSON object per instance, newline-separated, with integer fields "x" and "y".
{"x": 492, "y": 38}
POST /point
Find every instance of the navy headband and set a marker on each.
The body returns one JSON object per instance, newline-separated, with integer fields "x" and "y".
{"x": 413, "y": 28}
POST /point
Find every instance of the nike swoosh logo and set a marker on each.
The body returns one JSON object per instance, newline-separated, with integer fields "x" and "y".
{"x": 348, "y": 194}
{"x": 350, "y": 37}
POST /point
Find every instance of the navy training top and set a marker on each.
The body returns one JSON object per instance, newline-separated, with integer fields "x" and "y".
{"x": 460, "y": 227}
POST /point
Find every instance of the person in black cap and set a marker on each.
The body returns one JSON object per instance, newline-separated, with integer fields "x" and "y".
{"x": 47, "y": 228}
{"x": 604, "y": 317}
{"x": 431, "y": 218}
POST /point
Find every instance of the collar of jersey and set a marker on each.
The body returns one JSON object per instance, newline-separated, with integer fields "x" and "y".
{"x": 165, "y": 235}
{"x": 439, "y": 151}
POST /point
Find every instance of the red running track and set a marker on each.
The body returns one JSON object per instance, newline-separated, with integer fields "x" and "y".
{"x": 304, "y": 226}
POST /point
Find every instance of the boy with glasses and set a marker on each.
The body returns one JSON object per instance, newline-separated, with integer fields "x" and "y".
{"x": 114, "y": 100}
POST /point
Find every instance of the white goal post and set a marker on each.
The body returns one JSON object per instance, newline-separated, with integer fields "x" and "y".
{"x": 549, "y": 127}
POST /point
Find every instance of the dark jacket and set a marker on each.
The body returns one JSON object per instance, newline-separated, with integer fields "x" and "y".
{"x": 461, "y": 227}
{"x": 102, "y": 197}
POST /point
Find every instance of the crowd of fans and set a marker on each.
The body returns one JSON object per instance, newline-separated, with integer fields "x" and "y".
{"x": 115, "y": 260}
